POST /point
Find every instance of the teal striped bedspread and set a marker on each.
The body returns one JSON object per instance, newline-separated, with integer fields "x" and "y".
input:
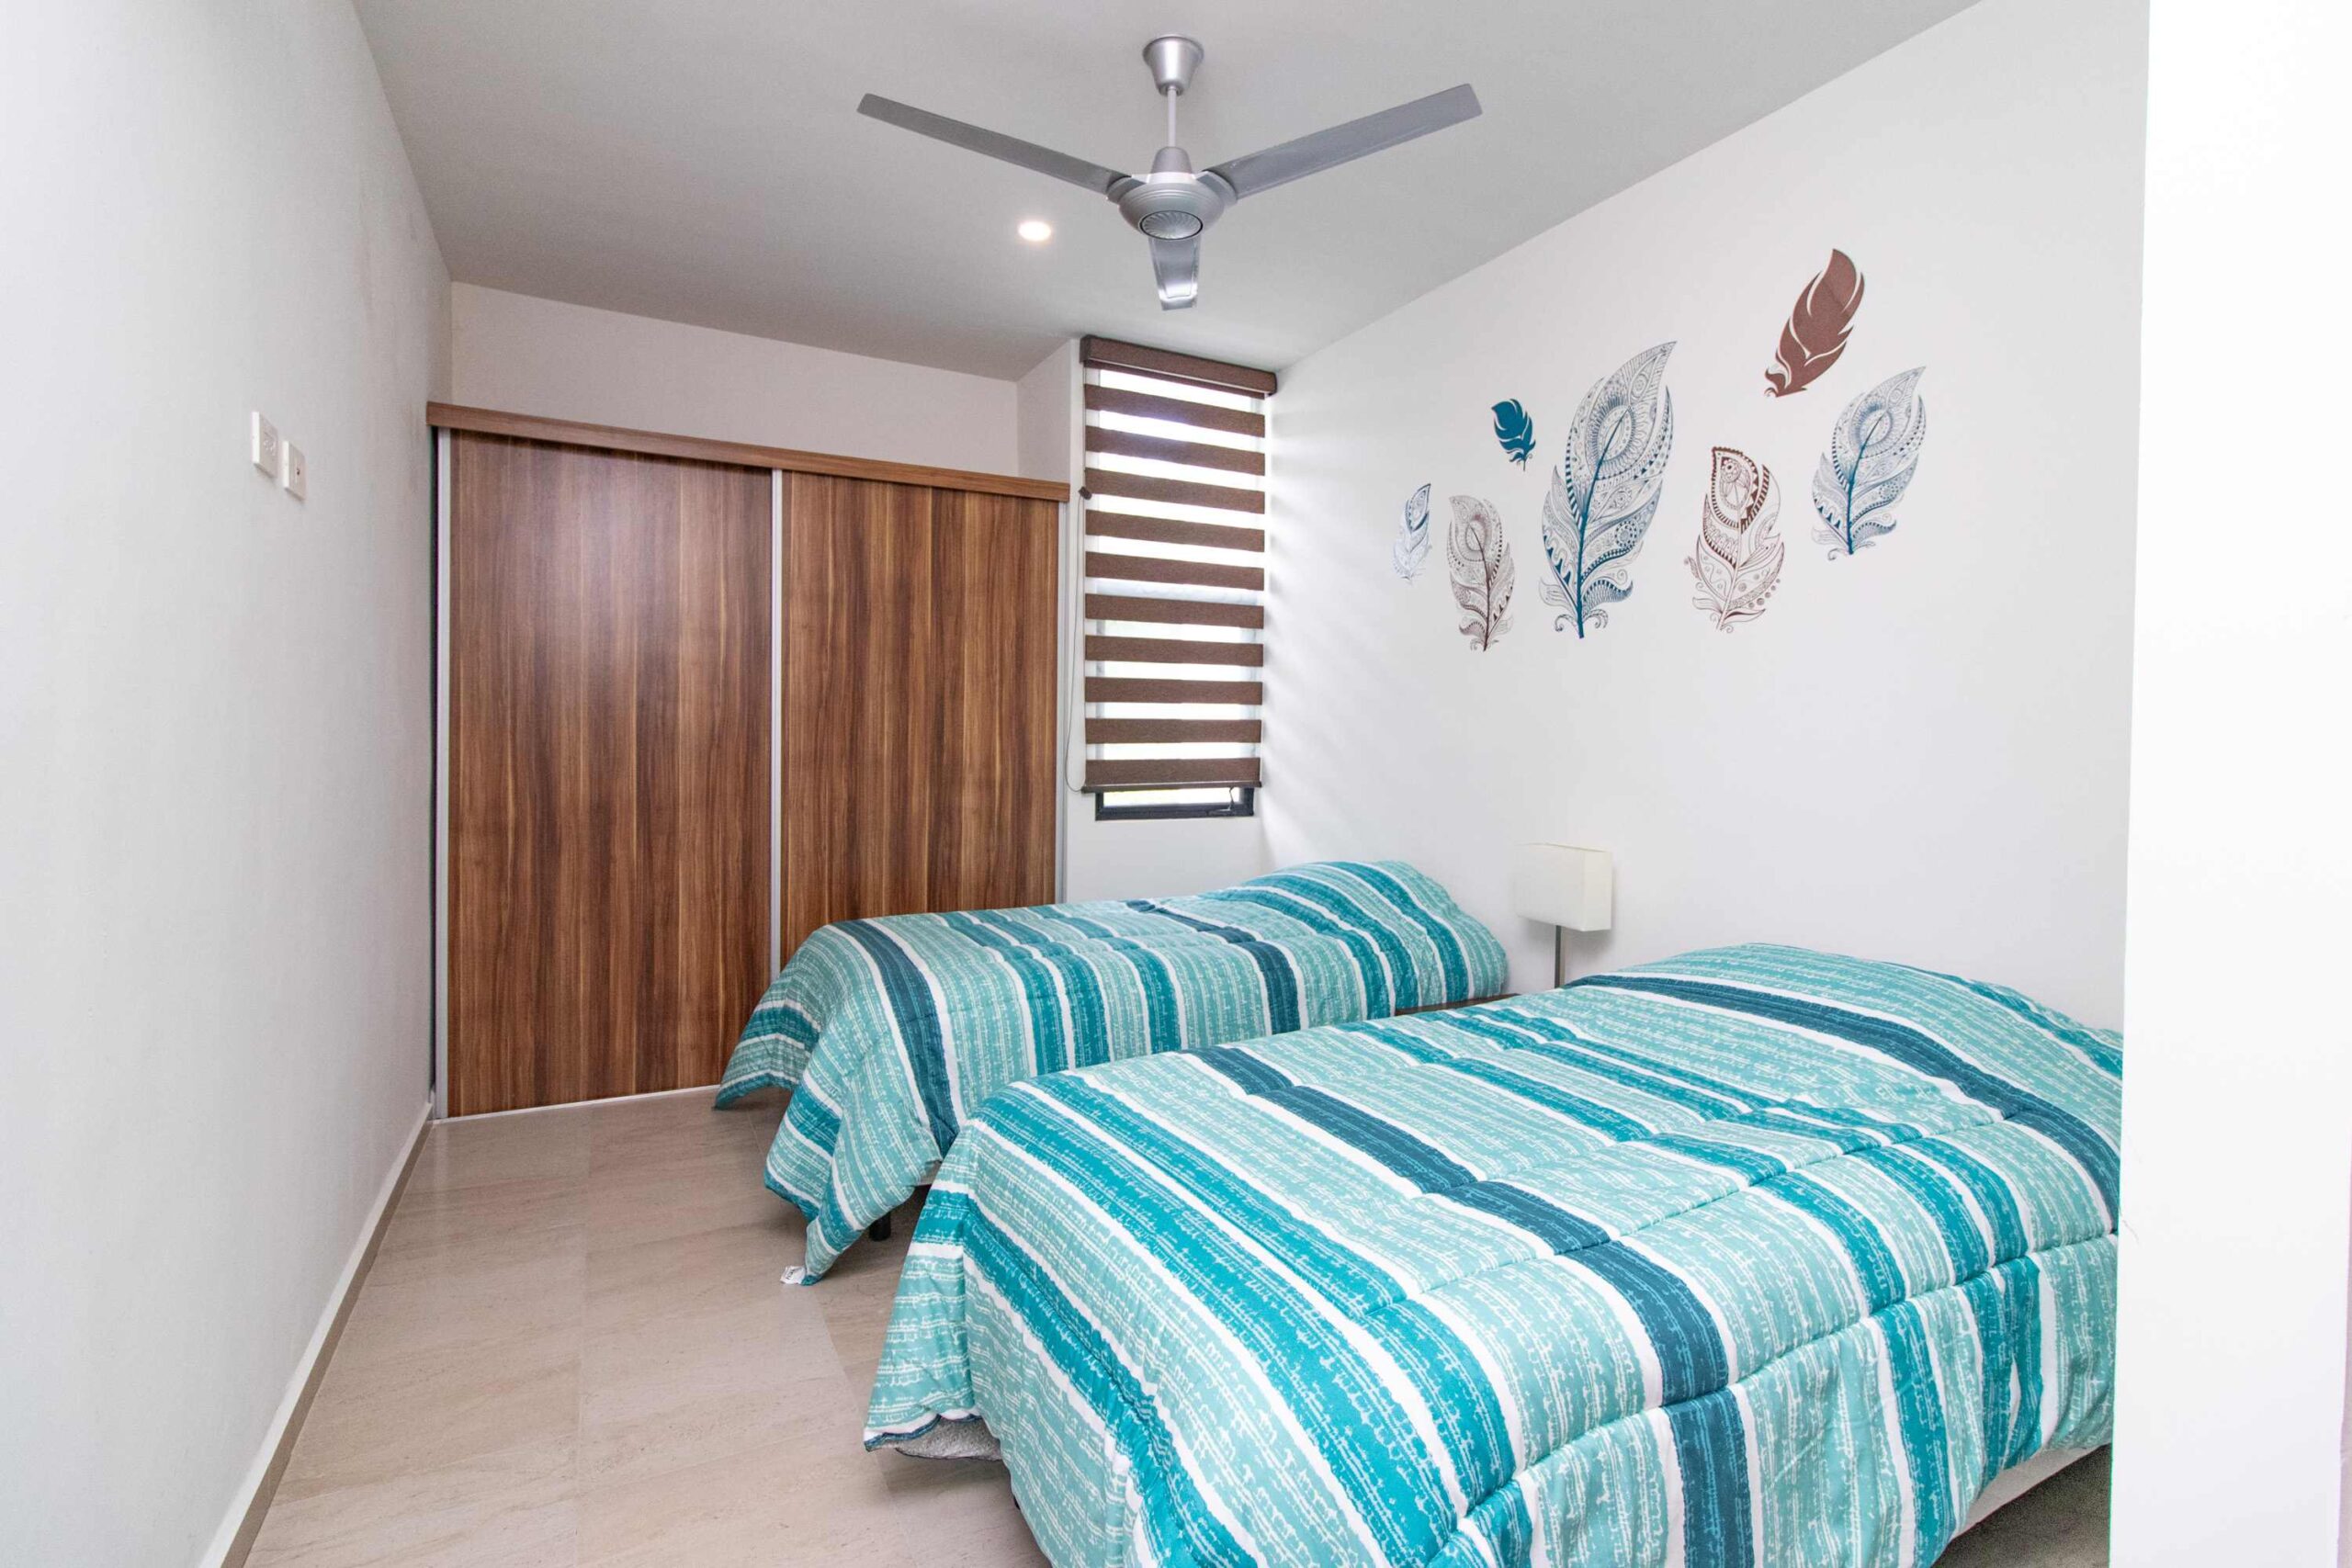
{"x": 1756, "y": 1255}
{"x": 891, "y": 1033}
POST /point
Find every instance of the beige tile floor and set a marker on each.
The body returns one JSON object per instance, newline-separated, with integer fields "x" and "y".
{"x": 573, "y": 1350}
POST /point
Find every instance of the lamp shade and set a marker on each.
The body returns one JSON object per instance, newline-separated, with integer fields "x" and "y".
{"x": 1562, "y": 885}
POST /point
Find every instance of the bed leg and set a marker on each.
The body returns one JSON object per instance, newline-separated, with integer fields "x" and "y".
{"x": 880, "y": 1230}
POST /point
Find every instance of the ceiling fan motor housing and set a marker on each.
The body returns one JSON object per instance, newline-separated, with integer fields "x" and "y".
{"x": 1173, "y": 202}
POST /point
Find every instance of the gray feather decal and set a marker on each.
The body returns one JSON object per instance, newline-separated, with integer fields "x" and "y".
{"x": 1873, "y": 455}
{"x": 1479, "y": 560}
{"x": 1411, "y": 550}
{"x": 1605, "y": 491}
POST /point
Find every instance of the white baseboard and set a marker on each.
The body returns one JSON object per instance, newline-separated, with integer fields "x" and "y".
{"x": 235, "y": 1537}
{"x": 705, "y": 1089}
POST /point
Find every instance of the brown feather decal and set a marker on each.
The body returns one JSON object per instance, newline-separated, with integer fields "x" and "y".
{"x": 1479, "y": 561}
{"x": 1738, "y": 562}
{"x": 1817, "y": 328}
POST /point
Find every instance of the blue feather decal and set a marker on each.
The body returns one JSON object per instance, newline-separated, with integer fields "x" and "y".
{"x": 1515, "y": 430}
{"x": 1873, "y": 455}
{"x": 1412, "y": 546}
{"x": 1605, "y": 491}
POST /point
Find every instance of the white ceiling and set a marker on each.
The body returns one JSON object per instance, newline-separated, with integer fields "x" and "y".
{"x": 700, "y": 160}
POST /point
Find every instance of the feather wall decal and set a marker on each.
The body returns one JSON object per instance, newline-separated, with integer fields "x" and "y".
{"x": 1873, "y": 455}
{"x": 1479, "y": 558}
{"x": 1738, "y": 562}
{"x": 1515, "y": 430}
{"x": 1411, "y": 550}
{"x": 1605, "y": 490}
{"x": 1817, "y": 328}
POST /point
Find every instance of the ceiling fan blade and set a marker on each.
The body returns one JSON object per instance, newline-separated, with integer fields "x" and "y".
{"x": 1254, "y": 172}
{"x": 990, "y": 143}
{"x": 1176, "y": 267}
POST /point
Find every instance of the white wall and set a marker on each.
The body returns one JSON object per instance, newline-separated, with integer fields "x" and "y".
{"x": 1046, "y": 405}
{"x": 538, "y": 356}
{"x": 215, "y": 725}
{"x": 2237, "y": 1110}
{"x": 1918, "y": 753}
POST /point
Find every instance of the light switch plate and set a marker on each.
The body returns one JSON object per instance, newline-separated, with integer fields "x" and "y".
{"x": 296, "y": 475}
{"x": 265, "y": 445}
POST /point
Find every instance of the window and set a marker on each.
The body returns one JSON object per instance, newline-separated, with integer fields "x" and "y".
{"x": 1175, "y": 581}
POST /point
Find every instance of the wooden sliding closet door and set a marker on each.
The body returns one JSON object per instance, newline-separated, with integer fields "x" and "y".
{"x": 994, "y": 569}
{"x": 608, "y": 770}
{"x": 919, "y": 700}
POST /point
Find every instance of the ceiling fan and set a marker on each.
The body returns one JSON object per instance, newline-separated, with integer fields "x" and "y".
{"x": 1171, "y": 206}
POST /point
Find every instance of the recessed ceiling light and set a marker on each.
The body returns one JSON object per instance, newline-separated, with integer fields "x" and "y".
{"x": 1037, "y": 230}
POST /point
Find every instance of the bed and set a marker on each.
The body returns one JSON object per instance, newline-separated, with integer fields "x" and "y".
{"x": 891, "y": 1031}
{"x": 1757, "y": 1255}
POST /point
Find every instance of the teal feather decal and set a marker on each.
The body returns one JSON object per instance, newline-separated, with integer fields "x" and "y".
{"x": 1605, "y": 491}
{"x": 1515, "y": 430}
{"x": 1873, "y": 455}
{"x": 1411, "y": 550}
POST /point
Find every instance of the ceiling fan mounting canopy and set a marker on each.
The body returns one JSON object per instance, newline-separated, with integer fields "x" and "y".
{"x": 1174, "y": 205}
{"x": 1173, "y": 59}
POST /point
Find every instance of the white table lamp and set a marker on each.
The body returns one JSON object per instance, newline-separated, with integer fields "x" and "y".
{"x": 1569, "y": 889}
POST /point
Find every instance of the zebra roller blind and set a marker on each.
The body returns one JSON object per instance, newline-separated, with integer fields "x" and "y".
{"x": 1175, "y": 577}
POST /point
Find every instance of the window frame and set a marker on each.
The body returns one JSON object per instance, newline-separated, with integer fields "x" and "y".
{"x": 1245, "y": 804}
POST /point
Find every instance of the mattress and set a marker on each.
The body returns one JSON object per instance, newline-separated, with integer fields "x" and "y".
{"x": 1757, "y": 1255}
{"x": 891, "y": 1031}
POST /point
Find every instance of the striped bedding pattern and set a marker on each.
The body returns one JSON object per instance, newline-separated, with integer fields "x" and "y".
{"x": 891, "y": 1031}
{"x": 1756, "y": 1255}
